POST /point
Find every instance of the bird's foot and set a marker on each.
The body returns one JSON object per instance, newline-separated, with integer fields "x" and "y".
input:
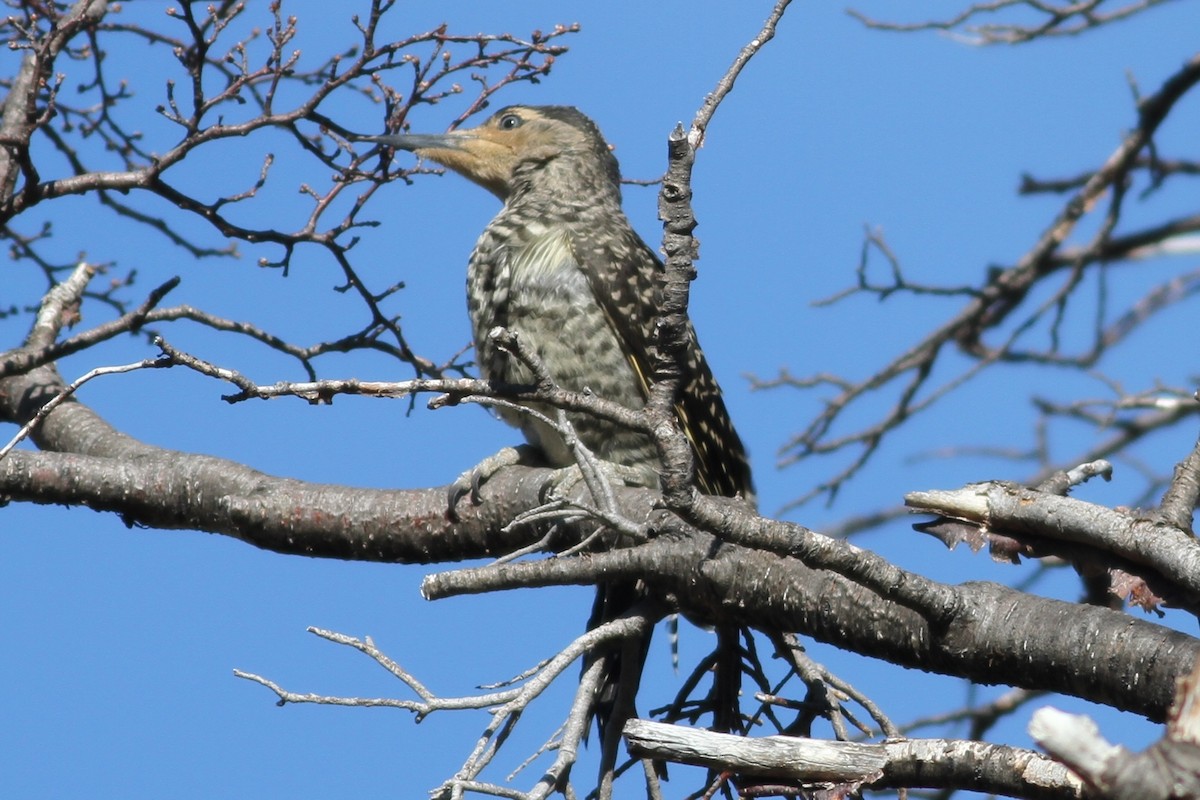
{"x": 470, "y": 482}
{"x": 561, "y": 484}
{"x": 600, "y": 478}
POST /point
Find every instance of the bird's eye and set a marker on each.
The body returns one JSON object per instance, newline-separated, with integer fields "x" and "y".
{"x": 510, "y": 121}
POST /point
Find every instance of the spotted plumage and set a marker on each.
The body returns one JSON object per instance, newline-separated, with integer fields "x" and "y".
{"x": 561, "y": 265}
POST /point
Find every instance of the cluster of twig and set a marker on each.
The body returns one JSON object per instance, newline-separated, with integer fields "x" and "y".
{"x": 1045, "y": 20}
{"x": 230, "y": 84}
{"x": 1004, "y": 313}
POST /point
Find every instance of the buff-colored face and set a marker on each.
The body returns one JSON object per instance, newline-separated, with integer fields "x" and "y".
{"x": 488, "y": 154}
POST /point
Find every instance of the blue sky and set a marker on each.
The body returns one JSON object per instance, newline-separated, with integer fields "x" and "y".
{"x": 117, "y": 678}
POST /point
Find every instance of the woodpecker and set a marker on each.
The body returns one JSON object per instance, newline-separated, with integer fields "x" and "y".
{"x": 561, "y": 265}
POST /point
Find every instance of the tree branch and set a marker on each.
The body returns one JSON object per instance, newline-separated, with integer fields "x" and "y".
{"x": 787, "y": 761}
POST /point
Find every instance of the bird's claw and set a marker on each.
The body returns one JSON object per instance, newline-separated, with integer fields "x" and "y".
{"x": 470, "y": 482}
{"x": 562, "y": 482}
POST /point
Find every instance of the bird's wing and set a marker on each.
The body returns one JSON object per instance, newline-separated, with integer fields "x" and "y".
{"x": 626, "y": 279}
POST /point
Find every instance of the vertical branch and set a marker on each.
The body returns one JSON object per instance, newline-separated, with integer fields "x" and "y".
{"x": 19, "y": 117}
{"x": 681, "y": 250}
{"x": 1179, "y": 501}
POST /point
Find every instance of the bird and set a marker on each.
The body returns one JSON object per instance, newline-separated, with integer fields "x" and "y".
{"x": 562, "y": 266}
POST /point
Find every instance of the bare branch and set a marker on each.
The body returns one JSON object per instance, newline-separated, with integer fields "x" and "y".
{"x": 908, "y": 376}
{"x": 794, "y": 762}
{"x": 1070, "y": 18}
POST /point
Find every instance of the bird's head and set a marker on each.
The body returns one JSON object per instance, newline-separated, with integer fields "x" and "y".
{"x": 518, "y": 143}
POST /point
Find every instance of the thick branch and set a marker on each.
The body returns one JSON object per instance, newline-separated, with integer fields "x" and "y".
{"x": 994, "y": 635}
{"x": 984, "y": 632}
{"x": 998, "y": 506}
{"x": 911, "y": 763}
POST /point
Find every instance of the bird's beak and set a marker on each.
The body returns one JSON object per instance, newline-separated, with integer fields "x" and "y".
{"x": 477, "y": 154}
{"x": 416, "y": 142}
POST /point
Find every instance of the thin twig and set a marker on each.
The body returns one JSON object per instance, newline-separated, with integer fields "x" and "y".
{"x": 66, "y": 392}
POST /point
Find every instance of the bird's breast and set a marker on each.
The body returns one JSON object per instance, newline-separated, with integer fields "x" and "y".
{"x": 529, "y": 280}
